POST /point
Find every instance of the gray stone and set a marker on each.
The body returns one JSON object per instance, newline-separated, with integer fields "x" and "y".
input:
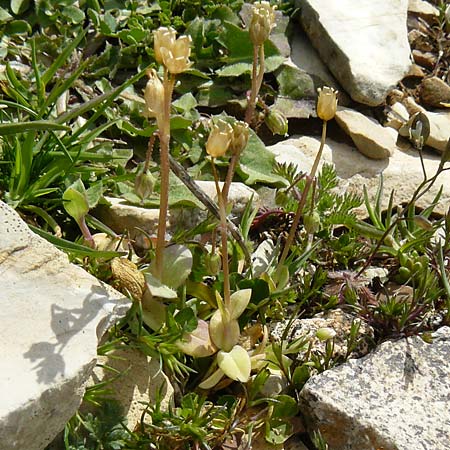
{"x": 402, "y": 172}
{"x": 370, "y": 138}
{"x": 365, "y": 45}
{"x": 434, "y": 92}
{"x": 305, "y": 56}
{"x": 396, "y": 398}
{"x": 52, "y": 316}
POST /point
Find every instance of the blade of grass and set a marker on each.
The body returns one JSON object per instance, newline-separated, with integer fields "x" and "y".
{"x": 38, "y": 125}
{"x": 71, "y": 247}
{"x": 40, "y": 86}
{"x": 62, "y": 58}
{"x": 60, "y": 88}
{"x": 19, "y": 106}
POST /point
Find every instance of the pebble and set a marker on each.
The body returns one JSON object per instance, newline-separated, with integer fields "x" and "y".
{"x": 434, "y": 91}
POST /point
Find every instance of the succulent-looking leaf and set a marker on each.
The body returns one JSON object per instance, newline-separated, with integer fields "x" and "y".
{"x": 212, "y": 380}
{"x": 75, "y": 203}
{"x": 177, "y": 266}
{"x": 224, "y": 333}
{"x": 239, "y": 301}
{"x": 158, "y": 289}
{"x": 198, "y": 343}
{"x": 153, "y": 312}
{"x": 235, "y": 364}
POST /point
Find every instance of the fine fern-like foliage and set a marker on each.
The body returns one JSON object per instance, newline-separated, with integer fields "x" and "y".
{"x": 333, "y": 207}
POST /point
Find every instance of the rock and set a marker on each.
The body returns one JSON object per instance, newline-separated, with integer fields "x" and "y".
{"x": 370, "y": 138}
{"x": 434, "y": 91}
{"x": 121, "y": 216}
{"x": 396, "y": 398}
{"x": 53, "y": 314}
{"x": 141, "y": 382}
{"x": 401, "y": 172}
{"x": 424, "y": 59}
{"x": 352, "y": 42}
{"x": 423, "y": 9}
{"x": 415, "y": 71}
{"x": 397, "y": 116}
{"x": 305, "y": 56}
{"x": 337, "y": 320}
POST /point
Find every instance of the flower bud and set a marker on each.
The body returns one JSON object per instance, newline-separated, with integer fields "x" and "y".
{"x": 325, "y": 334}
{"x": 213, "y": 263}
{"x": 277, "y": 122}
{"x": 326, "y": 103}
{"x": 154, "y": 96}
{"x": 219, "y": 139}
{"x": 311, "y": 222}
{"x": 240, "y": 137}
{"x": 144, "y": 183}
{"x": 262, "y": 22}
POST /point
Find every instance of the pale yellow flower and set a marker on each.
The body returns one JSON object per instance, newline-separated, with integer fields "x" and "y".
{"x": 219, "y": 139}
{"x": 327, "y": 103}
{"x": 240, "y": 137}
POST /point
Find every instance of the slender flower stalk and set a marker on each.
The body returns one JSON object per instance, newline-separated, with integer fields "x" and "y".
{"x": 326, "y": 110}
{"x": 223, "y": 238}
{"x": 217, "y": 145}
{"x": 257, "y": 78}
{"x": 262, "y": 22}
{"x": 164, "y": 138}
{"x": 174, "y": 54}
{"x": 238, "y": 143}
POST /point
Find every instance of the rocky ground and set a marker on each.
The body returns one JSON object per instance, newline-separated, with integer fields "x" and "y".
{"x": 390, "y": 60}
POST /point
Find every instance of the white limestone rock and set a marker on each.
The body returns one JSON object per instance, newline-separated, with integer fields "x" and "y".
{"x": 401, "y": 172}
{"x": 369, "y": 137}
{"x": 52, "y": 316}
{"x": 364, "y": 44}
{"x": 423, "y": 8}
{"x": 396, "y": 398}
{"x": 397, "y": 116}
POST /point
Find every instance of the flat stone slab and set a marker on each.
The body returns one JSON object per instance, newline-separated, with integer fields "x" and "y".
{"x": 52, "y": 316}
{"x": 364, "y": 44}
{"x": 369, "y": 137}
{"x": 396, "y": 398}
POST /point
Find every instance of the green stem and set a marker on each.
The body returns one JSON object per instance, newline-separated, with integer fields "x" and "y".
{"x": 164, "y": 137}
{"x": 222, "y": 199}
{"x": 302, "y": 202}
